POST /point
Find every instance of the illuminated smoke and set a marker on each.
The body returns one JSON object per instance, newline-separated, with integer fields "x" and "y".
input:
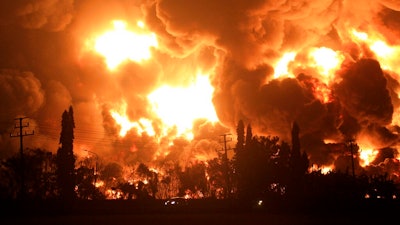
{"x": 329, "y": 65}
{"x": 120, "y": 45}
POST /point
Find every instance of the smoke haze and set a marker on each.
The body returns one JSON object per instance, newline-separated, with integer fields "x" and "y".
{"x": 46, "y": 66}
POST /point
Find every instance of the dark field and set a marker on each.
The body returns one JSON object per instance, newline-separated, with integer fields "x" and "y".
{"x": 197, "y": 212}
{"x": 203, "y": 219}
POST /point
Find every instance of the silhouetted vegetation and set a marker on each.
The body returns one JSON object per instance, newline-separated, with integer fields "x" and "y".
{"x": 263, "y": 168}
{"x": 65, "y": 159}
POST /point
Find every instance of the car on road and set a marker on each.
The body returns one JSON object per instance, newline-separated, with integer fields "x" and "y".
{"x": 176, "y": 202}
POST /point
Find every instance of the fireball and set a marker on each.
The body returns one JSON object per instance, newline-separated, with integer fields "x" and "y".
{"x": 326, "y": 61}
{"x": 177, "y": 107}
{"x": 120, "y": 44}
{"x": 143, "y": 125}
{"x": 180, "y": 106}
{"x": 385, "y": 53}
{"x": 281, "y": 67}
{"x": 367, "y": 156}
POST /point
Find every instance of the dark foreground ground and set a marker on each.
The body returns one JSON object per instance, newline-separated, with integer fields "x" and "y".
{"x": 203, "y": 219}
{"x": 197, "y": 212}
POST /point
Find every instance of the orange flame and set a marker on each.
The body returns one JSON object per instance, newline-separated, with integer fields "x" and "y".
{"x": 322, "y": 169}
{"x": 281, "y": 66}
{"x": 367, "y": 156}
{"x": 180, "y": 106}
{"x": 120, "y": 44}
{"x": 386, "y": 54}
{"x": 121, "y": 118}
{"x": 177, "y": 107}
{"x": 326, "y": 61}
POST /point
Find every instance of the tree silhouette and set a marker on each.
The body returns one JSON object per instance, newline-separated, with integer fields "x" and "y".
{"x": 240, "y": 161}
{"x": 85, "y": 182}
{"x": 169, "y": 183}
{"x": 249, "y": 135}
{"x": 281, "y": 167}
{"x": 217, "y": 181}
{"x": 40, "y": 178}
{"x": 298, "y": 164}
{"x": 240, "y": 136}
{"x": 111, "y": 174}
{"x": 193, "y": 179}
{"x": 251, "y": 165}
{"x": 150, "y": 176}
{"x": 9, "y": 177}
{"x": 65, "y": 157}
{"x": 262, "y": 165}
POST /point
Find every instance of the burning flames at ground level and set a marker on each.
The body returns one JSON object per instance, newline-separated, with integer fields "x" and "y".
{"x": 134, "y": 185}
{"x": 325, "y": 60}
{"x": 177, "y": 107}
{"x": 270, "y": 64}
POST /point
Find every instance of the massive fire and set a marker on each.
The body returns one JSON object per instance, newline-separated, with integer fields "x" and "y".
{"x": 367, "y": 156}
{"x": 130, "y": 70}
{"x": 326, "y": 61}
{"x": 176, "y": 107}
{"x": 385, "y": 53}
{"x": 121, "y": 44}
{"x": 323, "y": 63}
{"x": 281, "y": 66}
{"x": 121, "y": 118}
{"x": 180, "y": 106}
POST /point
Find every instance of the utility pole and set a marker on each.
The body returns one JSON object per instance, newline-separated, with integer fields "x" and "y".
{"x": 95, "y": 165}
{"x": 21, "y": 134}
{"x": 228, "y": 183}
{"x": 351, "y": 145}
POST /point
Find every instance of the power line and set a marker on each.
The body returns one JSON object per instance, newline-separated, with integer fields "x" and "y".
{"x": 227, "y": 177}
{"x": 21, "y": 134}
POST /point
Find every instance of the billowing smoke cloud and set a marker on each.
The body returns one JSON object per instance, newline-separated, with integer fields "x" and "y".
{"x": 47, "y": 14}
{"x": 20, "y": 87}
{"x": 252, "y": 34}
{"x": 363, "y": 93}
{"x": 46, "y": 66}
{"x": 20, "y": 92}
{"x": 391, "y": 4}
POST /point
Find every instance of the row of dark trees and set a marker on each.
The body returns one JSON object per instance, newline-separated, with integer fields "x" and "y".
{"x": 262, "y": 164}
{"x": 261, "y": 167}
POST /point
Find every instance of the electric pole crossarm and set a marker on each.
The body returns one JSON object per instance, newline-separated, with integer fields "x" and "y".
{"x": 21, "y": 134}
{"x": 227, "y": 177}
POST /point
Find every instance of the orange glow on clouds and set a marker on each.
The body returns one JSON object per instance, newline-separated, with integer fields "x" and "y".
{"x": 281, "y": 67}
{"x": 121, "y": 118}
{"x": 323, "y": 93}
{"x": 324, "y": 60}
{"x": 178, "y": 106}
{"x": 120, "y": 44}
{"x": 386, "y": 55}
